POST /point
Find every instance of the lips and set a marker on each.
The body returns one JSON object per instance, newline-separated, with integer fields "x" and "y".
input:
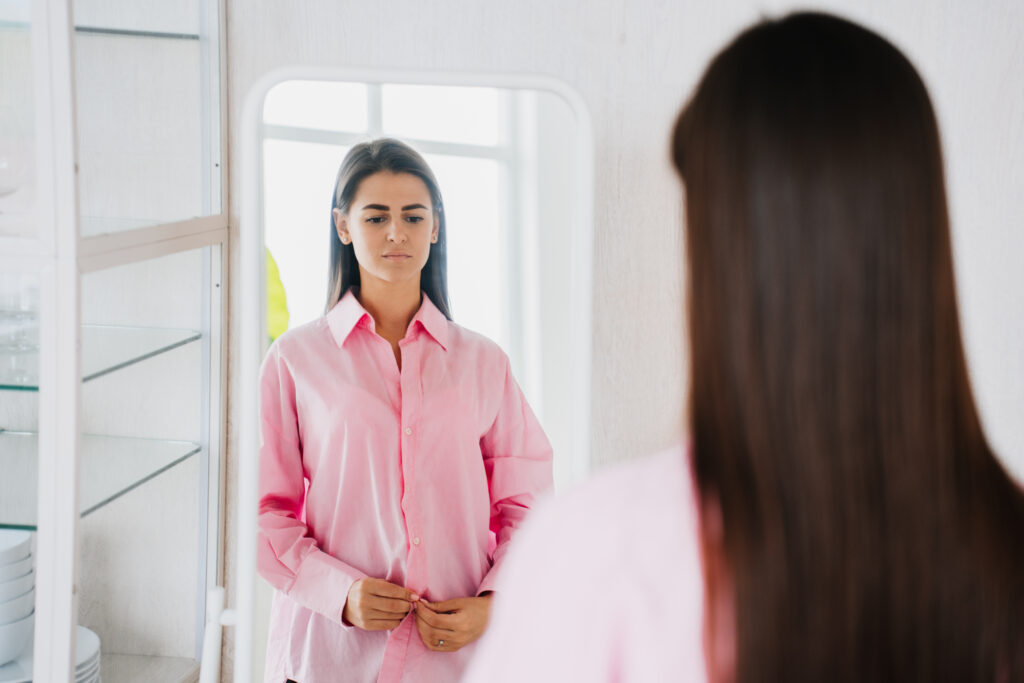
{"x": 397, "y": 257}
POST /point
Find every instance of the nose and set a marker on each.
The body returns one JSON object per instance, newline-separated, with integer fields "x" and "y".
{"x": 395, "y": 232}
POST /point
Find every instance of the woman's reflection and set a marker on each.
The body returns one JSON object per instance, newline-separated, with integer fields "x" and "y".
{"x": 398, "y": 454}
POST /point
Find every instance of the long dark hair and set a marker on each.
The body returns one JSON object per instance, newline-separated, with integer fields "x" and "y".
{"x": 363, "y": 160}
{"x": 869, "y": 532}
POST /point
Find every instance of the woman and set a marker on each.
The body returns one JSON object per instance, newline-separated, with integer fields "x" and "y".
{"x": 398, "y": 454}
{"x": 839, "y": 515}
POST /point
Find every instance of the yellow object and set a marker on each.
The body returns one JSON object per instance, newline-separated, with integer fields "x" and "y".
{"x": 277, "y": 302}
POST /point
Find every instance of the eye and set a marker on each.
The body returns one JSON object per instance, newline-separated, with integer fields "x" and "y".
{"x": 376, "y": 219}
{"x": 414, "y": 219}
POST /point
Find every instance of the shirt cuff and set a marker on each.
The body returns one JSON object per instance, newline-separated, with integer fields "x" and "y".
{"x": 490, "y": 579}
{"x": 322, "y": 585}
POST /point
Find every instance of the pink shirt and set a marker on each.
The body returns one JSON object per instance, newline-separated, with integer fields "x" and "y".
{"x": 419, "y": 477}
{"x": 605, "y": 585}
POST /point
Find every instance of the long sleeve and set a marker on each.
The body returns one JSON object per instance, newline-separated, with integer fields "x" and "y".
{"x": 289, "y": 557}
{"x": 517, "y": 459}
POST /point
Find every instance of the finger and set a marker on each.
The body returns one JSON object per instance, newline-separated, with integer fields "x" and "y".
{"x": 423, "y": 604}
{"x": 431, "y": 638}
{"x": 436, "y": 621}
{"x": 439, "y": 640}
{"x": 448, "y": 605}
{"x": 377, "y": 614}
{"x": 391, "y": 605}
{"x": 382, "y": 624}
{"x": 447, "y": 644}
{"x": 386, "y": 589}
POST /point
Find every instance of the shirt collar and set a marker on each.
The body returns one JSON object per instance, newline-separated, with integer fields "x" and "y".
{"x": 348, "y": 314}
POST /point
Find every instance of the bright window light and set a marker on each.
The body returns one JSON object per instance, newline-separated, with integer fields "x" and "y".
{"x": 298, "y": 179}
{"x": 317, "y": 105}
{"x": 468, "y": 116}
{"x": 475, "y": 255}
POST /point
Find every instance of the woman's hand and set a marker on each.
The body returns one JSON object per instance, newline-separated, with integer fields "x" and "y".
{"x": 452, "y": 624}
{"x": 377, "y": 605}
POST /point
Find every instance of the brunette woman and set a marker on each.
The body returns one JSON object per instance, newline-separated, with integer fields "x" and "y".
{"x": 838, "y": 514}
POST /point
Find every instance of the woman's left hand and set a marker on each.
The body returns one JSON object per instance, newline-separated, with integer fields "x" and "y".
{"x": 452, "y": 624}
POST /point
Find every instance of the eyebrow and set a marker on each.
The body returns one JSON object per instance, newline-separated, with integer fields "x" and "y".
{"x": 381, "y": 207}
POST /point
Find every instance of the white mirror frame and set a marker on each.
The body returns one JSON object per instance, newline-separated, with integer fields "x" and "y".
{"x": 252, "y": 327}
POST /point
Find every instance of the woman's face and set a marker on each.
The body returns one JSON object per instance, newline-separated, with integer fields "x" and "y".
{"x": 391, "y": 225}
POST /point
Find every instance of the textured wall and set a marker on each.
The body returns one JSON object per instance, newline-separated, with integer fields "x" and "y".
{"x": 634, "y": 63}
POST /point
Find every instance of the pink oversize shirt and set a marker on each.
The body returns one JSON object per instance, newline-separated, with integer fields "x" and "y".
{"x": 606, "y": 585}
{"x": 420, "y": 477}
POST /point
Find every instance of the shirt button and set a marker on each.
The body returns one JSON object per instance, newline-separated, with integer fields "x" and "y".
{"x": 408, "y": 431}
{"x": 416, "y": 541}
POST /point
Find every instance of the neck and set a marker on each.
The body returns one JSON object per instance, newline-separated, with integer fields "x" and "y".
{"x": 391, "y": 304}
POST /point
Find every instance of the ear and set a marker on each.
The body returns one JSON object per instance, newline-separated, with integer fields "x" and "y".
{"x": 341, "y": 225}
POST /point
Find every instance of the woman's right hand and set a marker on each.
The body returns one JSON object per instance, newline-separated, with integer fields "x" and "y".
{"x": 377, "y": 605}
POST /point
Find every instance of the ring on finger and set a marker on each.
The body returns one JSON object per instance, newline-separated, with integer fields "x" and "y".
{"x": 440, "y": 643}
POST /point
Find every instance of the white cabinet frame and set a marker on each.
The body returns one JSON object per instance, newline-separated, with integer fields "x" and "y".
{"x": 59, "y": 256}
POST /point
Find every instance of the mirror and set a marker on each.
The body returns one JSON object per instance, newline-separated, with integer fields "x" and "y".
{"x": 513, "y": 158}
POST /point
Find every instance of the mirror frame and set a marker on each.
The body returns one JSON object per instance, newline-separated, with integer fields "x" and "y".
{"x": 251, "y": 285}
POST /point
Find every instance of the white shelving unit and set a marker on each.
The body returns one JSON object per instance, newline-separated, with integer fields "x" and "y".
{"x": 113, "y": 252}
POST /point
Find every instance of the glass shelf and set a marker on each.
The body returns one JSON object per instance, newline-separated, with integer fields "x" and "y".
{"x": 110, "y": 467}
{"x": 105, "y": 348}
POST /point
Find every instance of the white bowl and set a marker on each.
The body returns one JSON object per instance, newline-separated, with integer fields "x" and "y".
{"x": 14, "y": 638}
{"x": 19, "y": 670}
{"x": 15, "y": 569}
{"x": 18, "y": 608}
{"x": 14, "y": 545}
{"x": 15, "y": 587}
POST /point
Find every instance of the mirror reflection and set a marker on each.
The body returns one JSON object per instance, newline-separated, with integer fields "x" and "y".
{"x": 416, "y": 398}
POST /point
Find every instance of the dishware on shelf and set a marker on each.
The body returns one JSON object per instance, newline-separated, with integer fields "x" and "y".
{"x": 15, "y": 569}
{"x": 17, "y": 608}
{"x": 87, "y": 656}
{"x": 15, "y": 153}
{"x": 90, "y": 676}
{"x": 14, "y": 545}
{"x": 15, "y": 637}
{"x": 18, "y": 670}
{"x": 15, "y": 587}
{"x": 87, "y": 660}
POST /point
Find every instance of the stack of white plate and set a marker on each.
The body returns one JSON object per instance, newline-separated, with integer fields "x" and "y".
{"x": 17, "y": 616}
{"x": 87, "y": 661}
{"x": 17, "y": 594}
{"x": 87, "y": 656}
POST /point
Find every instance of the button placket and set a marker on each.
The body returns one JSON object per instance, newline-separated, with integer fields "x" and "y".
{"x": 411, "y": 389}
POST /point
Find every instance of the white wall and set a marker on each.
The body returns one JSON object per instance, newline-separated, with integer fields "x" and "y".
{"x": 634, "y": 64}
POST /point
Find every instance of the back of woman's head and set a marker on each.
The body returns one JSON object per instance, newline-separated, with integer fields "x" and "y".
{"x": 869, "y": 533}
